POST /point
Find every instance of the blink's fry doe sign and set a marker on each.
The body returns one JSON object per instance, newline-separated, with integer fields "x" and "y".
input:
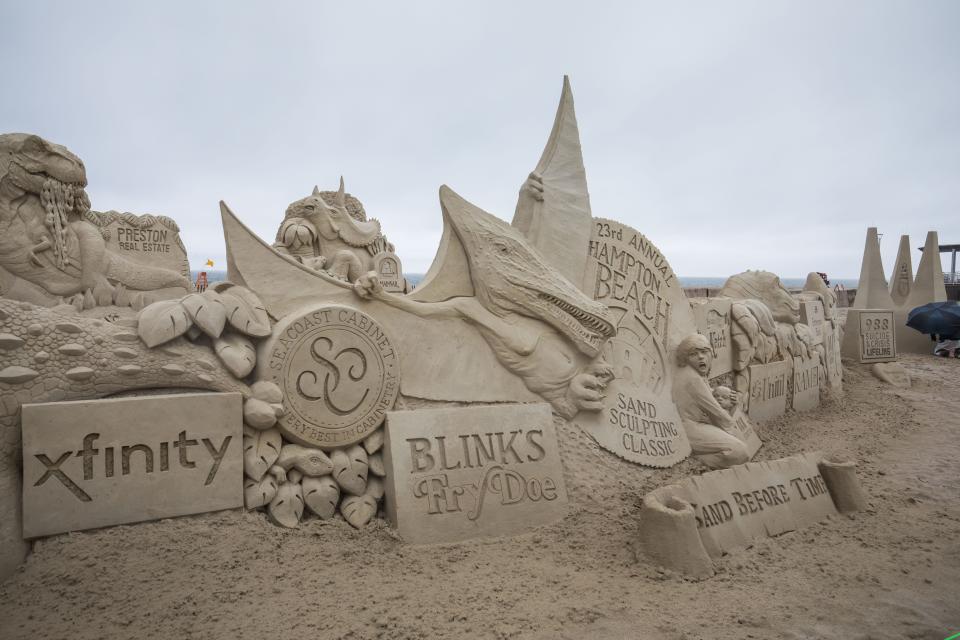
{"x": 460, "y": 473}
{"x": 96, "y": 463}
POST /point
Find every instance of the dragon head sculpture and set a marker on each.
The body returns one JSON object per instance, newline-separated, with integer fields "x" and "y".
{"x": 510, "y": 276}
{"x": 329, "y": 222}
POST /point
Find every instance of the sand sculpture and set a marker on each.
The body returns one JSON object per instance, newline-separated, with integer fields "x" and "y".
{"x": 877, "y": 320}
{"x": 710, "y": 427}
{"x": 347, "y": 380}
{"x": 321, "y": 232}
{"x": 50, "y": 251}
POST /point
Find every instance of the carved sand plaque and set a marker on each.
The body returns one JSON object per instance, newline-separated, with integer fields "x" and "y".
{"x": 878, "y": 341}
{"x": 768, "y": 390}
{"x": 95, "y": 463}
{"x": 460, "y": 473}
{"x": 811, "y": 314}
{"x": 146, "y": 239}
{"x": 747, "y": 433}
{"x": 806, "y": 383}
{"x": 339, "y": 373}
{"x": 387, "y": 266}
{"x": 747, "y": 502}
{"x": 713, "y": 320}
{"x": 831, "y": 351}
{"x": 638, "y": 425}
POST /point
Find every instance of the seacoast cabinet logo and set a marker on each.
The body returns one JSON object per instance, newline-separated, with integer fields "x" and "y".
{"x": 96, "y": 463}
{"x": 455, "y": 474}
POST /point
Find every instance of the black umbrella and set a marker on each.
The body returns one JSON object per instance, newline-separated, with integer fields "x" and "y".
{"x": 937, "y": 318}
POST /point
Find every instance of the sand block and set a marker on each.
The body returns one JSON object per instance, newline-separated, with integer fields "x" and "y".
{"x": 811, "y": 314}
{"x": 768, "y": 390}
{"x": 387, "y": 266}
{"x": 460, "y": 473}
{"x": 833, "y": 364}
{"x": 806, "y": 383}
{"x": 638, "y": 425}
{"x": 712, "y": 316}
{"x": 870, "y": 336}
{"x": 746, "y": 432}
{"x": 736, "y": 506}
{"x": 96, "y": 463}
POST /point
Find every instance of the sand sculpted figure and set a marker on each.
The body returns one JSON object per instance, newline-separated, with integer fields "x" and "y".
{"x": 539, "y": 325}
{"x": 708, "y": 424}
{"x": 325, "y": 236}
{"x": 765, "y": 322}
{"x": 48, "y": 249}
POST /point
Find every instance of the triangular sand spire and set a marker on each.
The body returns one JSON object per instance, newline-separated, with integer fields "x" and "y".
{"x": 316, "y": 190}
{"x": 341, "y": 199}
{"x": 872, "y": 290}
{"x": 901, "y": 279}
{"x": 559, "y": 226}
{"x": 928, "y": 286}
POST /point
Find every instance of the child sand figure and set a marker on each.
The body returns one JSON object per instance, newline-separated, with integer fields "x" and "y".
{"x": 710, "y": 426}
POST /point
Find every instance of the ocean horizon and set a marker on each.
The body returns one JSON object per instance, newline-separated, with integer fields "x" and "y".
{"x": 688, "y": 282}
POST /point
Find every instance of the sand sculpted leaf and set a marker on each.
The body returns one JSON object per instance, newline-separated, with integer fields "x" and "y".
{"x": 245, "y": 312}
{"x": 373, "y": 442}
{"x": 376, "y": 465}
{"x": 350, "y": 469}
{"x": 321, "y": 495}
{"x": 358, "y": 510}
{"x": 260, "y": 493}
{"x": 260, "y": 450}
{"x": 286, "y": 508}
{"x": 162, "y": 321}
{"x": 237, "y": 354}
{"x": 207, "y": 312}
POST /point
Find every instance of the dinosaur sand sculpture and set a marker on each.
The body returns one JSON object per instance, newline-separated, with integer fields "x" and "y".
{"x": 48, "y": 251}
{"x": 325, "y": 236}
{"x": 539, "y": 325}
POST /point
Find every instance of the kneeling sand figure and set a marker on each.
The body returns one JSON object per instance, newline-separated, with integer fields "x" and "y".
{"x": 707, "y": 423}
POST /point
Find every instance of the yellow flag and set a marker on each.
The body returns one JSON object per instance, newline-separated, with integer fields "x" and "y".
{"x": 209, "y": 263}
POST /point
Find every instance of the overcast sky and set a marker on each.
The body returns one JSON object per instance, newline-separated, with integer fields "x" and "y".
{"x": 734, "y": 134}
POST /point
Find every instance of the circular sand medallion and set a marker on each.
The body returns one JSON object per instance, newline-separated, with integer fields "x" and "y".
{"x": 339, "y": 373}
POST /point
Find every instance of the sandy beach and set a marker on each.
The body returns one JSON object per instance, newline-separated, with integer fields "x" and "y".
{"x": 891, "y": 572}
